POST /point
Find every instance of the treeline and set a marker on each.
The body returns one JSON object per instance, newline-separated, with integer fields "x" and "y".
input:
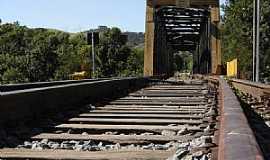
{"x": 237, "y": 36}
{"x": 34, "y": 55}
{"x": 183, "y": 62}
{"x": 135, "y": 39}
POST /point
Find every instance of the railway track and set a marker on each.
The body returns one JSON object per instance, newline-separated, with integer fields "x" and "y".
{"x": 162, "y": 121}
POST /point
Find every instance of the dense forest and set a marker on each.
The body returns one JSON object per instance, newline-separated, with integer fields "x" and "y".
{"x": 34, "y": 55}
{"x": 237, "y": 36}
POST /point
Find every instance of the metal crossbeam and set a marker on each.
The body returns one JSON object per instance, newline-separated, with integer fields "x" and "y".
{"x": 182, "y": 26}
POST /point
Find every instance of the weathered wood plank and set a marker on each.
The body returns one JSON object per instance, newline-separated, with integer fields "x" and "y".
{"x": 181, "y": 89}
{"x": 159, "y": 100}
{"x": 140, "y": 106}
{"x": 148, "y": 109}
{"x": 162, "y": 98}
{"x": 149, "y": 128}
{"x": 166, "y": 94}
{"x": 134, "y": 121}
{"x": 156, "y": 106}
{"x": 113, "y": 138}
{"x": 173, "y": 116}
{"x": 120, "y": 111}
{"x": 76, "y": 155}
{"x": 157, "y": 103}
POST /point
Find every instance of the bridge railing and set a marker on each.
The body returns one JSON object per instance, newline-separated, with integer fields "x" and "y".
{"x": 259, "y": 91}
{"x": 32, "y": 100}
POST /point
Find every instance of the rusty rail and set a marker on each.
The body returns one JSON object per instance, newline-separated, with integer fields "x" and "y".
{"x": 14, "y": 87}
{"x": 237, "y": 140}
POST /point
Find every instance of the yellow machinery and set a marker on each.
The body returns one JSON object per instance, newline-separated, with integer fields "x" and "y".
{"x": 232, "y": 68}
{"x": 79, "y": 75}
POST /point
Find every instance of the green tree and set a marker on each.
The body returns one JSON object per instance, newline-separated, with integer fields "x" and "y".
{"x": 134, "y": 63}
{"x": 31, "y": 55}
{"x": 237, "y": 35}
{"x": 112, "y": 53}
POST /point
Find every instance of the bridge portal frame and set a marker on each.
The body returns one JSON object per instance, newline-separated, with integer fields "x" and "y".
{"x": 151, "y": 56}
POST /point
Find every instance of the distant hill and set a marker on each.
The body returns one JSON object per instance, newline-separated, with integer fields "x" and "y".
{"x": 135, "y": 39}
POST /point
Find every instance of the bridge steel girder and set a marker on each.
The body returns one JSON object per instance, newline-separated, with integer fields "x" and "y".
{"x": 192, "y": 3}
{"x": 157, "y": 54}
{"x": 156, "y": 61}
{"x": 149, "y": 42}
{"x": 215, "y": 41}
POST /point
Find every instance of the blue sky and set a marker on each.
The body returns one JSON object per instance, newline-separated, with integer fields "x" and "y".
{"x": 75, "y": 15}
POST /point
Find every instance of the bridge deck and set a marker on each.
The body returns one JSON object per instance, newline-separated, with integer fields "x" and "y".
{"x": 136, "y": 126}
